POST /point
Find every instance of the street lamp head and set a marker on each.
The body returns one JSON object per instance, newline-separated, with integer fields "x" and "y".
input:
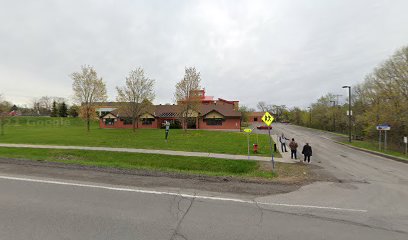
{"x": 346, "y": 87}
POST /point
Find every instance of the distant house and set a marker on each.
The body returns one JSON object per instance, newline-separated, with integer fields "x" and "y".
{"x": 255, "y": 117}
{"x": 211, "y": 114}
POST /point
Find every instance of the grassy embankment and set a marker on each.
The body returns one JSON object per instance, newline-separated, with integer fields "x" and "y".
{"x": 68, "y": 131}
{"x": 373, "y": 146}
{"x": 176, "y": 164}
{"x": 55, "y": 131}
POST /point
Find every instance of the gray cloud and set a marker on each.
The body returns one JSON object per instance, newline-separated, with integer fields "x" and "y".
{"x": 282, "y": 52}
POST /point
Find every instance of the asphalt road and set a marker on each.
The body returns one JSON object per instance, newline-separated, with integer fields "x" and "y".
{"x": 369, "y": 201}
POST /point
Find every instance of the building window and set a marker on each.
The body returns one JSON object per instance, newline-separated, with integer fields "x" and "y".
{"x": 109, "y": 121}
{"x": 256, "y": 119}
{"x": 214, "y": 122}
{"x": 127, "y": 121}
{"x": 147, "y": 121}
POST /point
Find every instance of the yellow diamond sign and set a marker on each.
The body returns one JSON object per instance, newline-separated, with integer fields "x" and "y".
{"x": 267, "y": 118}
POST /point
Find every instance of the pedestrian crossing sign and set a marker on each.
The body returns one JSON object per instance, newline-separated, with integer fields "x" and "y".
{"x": 267, "y": 118}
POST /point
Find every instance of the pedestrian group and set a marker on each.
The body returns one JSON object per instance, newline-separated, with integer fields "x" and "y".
{"x": 293, "y": 145}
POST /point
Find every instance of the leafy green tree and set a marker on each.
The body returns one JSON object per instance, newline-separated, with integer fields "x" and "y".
{"x": 54, "y": 109}
{"x": 244, "y": 110}
{"x": 381, "y": 98}
{"x": 62, "y": 110}
{"x": 73, "y": 111}
{"x": 4, "y": 114}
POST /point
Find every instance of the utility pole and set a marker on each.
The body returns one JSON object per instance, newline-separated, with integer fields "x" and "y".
{"x": 349, "y": 111}
{"x": 334, "y": 115}
{"x": 310, "y": 117}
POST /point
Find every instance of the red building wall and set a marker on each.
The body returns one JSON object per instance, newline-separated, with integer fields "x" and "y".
{"x": 255, "y": 116}
{"x": 229, "y": 123}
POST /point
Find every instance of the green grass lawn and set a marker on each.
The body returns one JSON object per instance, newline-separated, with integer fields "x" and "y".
{"x": 374, "y": 147}
{"x": 70, "y": 131}
{"x": 191, "y": 165}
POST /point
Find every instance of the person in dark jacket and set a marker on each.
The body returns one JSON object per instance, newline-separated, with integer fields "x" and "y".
{"x": 307, "y": 151}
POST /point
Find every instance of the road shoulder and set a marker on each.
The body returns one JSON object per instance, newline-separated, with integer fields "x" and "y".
{"x": 398, "y": 159}
{"x": 148, "y": 179}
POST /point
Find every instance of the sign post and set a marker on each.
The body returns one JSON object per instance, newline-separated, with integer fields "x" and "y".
{"x": 167, "y": 125}
{"x": 248, "y": 132}
{"x": 385, "y": 128}
{"x": 268, "y": 119}
{"x": 406, "y": 145}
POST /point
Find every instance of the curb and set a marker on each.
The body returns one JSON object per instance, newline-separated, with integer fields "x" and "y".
{"x": 398, "y": 159}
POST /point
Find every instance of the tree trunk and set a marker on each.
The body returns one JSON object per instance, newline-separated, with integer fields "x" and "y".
{"x": 134, "y": 124}
{"x": 88, "y": 124}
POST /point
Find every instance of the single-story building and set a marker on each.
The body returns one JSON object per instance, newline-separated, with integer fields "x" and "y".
{"x": 207, "y": 117}
{"x": 210, "y": 114}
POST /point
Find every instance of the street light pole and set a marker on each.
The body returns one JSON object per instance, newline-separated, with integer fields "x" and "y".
{"x": 334, "y": 115}
{"x": 349, "y": 112}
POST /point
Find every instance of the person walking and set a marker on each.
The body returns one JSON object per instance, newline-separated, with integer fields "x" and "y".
{"x": 282, "y": 140}
{"x": 293, "y": 148}
{"x": 307, "y": 151}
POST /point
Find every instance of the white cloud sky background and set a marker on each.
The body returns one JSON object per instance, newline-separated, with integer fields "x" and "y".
{"x": 281, "y": 52}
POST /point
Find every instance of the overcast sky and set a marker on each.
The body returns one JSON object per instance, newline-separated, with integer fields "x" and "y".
{"x": 281, "y": 52}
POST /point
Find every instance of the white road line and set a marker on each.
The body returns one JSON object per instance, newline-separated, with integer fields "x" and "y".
{"x": 180, "y": 194}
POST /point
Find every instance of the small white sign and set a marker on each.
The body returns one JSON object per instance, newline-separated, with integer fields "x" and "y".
{"x": 405, "y": 139}
{"x": 384, "y": 127}
{"x": 349, "y": 114}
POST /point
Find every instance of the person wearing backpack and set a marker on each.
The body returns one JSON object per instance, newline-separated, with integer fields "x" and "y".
{"x": 293, "y": 149}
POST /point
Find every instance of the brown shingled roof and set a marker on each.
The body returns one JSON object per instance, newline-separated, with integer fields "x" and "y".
{"x": 225, "y": 110}
{"x": 172, "y": 111}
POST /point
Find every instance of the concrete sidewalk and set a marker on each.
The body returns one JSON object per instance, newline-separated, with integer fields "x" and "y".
{"x": 285, "y": 155}
{"x": 150, "y": 151}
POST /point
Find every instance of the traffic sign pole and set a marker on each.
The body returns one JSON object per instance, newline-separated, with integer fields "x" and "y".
{"x": 379, "y": 140}
{"x": 248, "y": 131}
{"x": 268, "y": 119}
{"x": 248, "y": 144}
{"x": 270, "y": 145}
{"x": 385, "y": 141}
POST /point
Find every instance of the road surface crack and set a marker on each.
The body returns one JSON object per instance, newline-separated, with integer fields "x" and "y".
{"x": 261, "y": 213}
{"x": 343, "y": 221}
{"x": 176, "y": 232}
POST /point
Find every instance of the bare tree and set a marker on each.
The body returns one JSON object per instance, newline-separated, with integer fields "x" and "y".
{"x": 262, "y": 106}
{"x": 186, "y": 94}
{"x": 88, "y": 88}
{"x": 137, "y": 94}
{"x": 45, "y": 102}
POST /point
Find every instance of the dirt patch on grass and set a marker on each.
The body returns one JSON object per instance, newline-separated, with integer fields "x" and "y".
{"x": 291, "y": 173}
